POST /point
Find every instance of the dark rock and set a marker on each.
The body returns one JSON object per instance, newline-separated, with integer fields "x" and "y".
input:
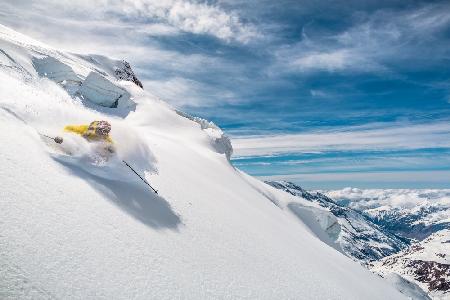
{"x": 431, "y": 272}
{"x": 124, "y": 72}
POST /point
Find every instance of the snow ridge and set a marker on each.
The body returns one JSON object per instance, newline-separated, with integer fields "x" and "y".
{"x": 358, "y": 237}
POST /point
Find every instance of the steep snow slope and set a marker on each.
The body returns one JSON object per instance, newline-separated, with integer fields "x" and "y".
{"x": 426, "y": 263}
{"x": 210, "y": 233}
{"x": 356, "y": 235}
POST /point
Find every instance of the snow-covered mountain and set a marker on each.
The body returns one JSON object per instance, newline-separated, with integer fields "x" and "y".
{"x": 356, "y": 235}
{"x": 427, "y": 263}
{"x": 413, "y": 214}
{"x": 420, "y": 215}
{"x": 75, "y": 228}
{"x": 369, "y": 221}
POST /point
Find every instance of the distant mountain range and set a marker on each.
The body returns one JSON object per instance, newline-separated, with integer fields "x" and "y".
{"x": 358, "y": 236}
{"x": 392, "y": 232}
{"x": 412, "y": 214}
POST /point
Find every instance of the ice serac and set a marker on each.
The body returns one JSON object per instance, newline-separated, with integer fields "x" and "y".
{"x": 219, "y": 140}
{"x": 211, "y": 232}
{"x": 99, "y": 90}
{"x": 57, "y": 71}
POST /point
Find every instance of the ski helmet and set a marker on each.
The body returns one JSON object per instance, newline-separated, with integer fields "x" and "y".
{"x": 101, "y": 128}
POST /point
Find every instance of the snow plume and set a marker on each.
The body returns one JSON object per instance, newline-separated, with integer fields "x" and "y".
{"x": 131, "y": 148}
{"x": 47, "y": 107}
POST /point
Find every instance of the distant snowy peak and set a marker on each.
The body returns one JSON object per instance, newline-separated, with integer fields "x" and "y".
{"x": 426, "y": 263}
{"x": 413, "y": 214}
{"x": 358, "y": 237}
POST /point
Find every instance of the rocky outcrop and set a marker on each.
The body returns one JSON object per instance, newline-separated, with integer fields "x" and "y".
{"x": 431, "y": 272}
{"x": 124, "y": 72}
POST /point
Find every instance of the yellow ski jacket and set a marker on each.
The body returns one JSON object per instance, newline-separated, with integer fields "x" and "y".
{"x": 87, "y": 133}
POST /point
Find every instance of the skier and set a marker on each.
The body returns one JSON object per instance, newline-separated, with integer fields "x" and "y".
{"x": 96, "y": 131}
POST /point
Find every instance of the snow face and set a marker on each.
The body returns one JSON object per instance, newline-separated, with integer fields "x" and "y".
{"x": 211, "y": 232}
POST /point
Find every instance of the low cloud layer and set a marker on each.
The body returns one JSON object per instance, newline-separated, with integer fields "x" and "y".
{"x": 376, "y": 137}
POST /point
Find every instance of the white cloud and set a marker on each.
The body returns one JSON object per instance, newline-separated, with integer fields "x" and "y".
{"x": 182, "y": 92}
{"x": 165, "y": 16}
{"x": 207, "y": 19}
{"x": 330, "y": 61}
{"x": 412, "y": 199}
{"x": 372, "y": 43}
{"x": 387, "y": 137}
{"x": 156, "y": 29}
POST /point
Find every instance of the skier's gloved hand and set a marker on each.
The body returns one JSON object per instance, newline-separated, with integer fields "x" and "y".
{"x": 111, "y": 149}
{"x": 58, "y": 140}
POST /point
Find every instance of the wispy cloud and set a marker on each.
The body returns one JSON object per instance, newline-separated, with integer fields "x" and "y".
{"x": 181, "y": 92}
{"x": 390, "y": 137}
{"x": 164, "y": 16}
{"x": 388, "y": 179}
{"x": 371, "y": 44}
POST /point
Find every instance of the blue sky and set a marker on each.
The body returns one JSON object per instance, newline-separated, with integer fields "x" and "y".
{"x": 324, "y": 93}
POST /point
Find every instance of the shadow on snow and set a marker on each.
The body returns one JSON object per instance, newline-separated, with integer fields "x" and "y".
{"x": 135, "y": 198}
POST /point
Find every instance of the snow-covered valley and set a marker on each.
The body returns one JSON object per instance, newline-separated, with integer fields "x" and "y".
{"x": 68, "y": 231}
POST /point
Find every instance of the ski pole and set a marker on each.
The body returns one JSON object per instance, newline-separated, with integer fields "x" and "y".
{"x": 143, "y": 179}
{"x": 57, "y": 139}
